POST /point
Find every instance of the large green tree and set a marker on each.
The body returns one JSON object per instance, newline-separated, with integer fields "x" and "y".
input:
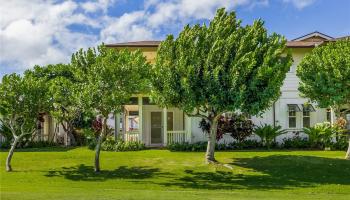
{"x": 63, "y": 88}
{"x": 325, "y": 77}
{"x": 112, "y": 77}
{"x": 223, "y": 67}
{"x": 21, "y": 101}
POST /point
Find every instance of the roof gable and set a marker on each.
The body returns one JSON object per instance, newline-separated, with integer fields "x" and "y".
{"x": 314, "y": 37}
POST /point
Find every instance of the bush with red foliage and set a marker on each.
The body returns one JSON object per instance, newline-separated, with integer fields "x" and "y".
{"x": 237, "y": 125}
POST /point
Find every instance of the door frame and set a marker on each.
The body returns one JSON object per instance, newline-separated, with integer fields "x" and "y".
{"x": 162, "y": 126}
{"x": 161, "y": 129}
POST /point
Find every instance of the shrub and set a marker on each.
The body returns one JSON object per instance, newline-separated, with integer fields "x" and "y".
{"x": 110, "y": 144}
{"x": 198, "y": 146}
{"x": 246, "y": 144}
{"x": 201, "y": 146}
{"x": 340, "y": 144}
{"x": 320, "y": 135}
{"x": 295, "y": 143}
{"x": 121, "y": 145}
{"x": 237, "y": 125}
{"x": 40, "y": 144}
{"x": 268, "y": 133}
{"x": 90, "y": 138}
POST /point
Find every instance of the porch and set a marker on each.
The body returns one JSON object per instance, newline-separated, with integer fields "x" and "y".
{"x": 143, "y": 121}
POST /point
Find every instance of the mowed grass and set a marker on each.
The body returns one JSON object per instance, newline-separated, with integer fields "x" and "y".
{"x": 159, "y": 174}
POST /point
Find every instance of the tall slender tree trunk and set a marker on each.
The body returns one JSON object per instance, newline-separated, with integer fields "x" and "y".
{"x": 347, "y": 156}
{"x": 209, "y": 156}
{"x": 9, "y": 157}
{"x": 98, "y": 145}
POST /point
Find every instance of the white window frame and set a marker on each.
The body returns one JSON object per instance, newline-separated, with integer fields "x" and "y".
{"x": 292, "y": 116}
{"x": 307, "y": 116}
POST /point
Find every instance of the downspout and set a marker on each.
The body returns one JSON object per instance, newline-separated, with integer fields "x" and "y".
{"x": 274, "y": 114}
{"x": 274, "y": 117}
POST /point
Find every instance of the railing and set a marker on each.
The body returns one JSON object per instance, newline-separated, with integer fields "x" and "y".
{"x": 176, "y": 137}
{"x": 132, "y": 136}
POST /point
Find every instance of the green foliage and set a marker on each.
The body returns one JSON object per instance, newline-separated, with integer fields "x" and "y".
{"x": 129, "y": 146}
{"x": 201, "y": 146}
{"x": 90, "y": 138}
{"x": 296, "y": 142}
{"x": 198, "y": 146}
{"x": 268, "y": 133}
{"x": 237, "y": 125}
{"x": 320, "y": 135}
{"x": 110, "y": 144}
{"x": 221, "y": 67}
{"x": 325, "y": 72}
{"x": 160, "y": 174}
{"x": 111, "y": 77}
{"x": 40, "y": 144}
{"x": 6, "y": 133}
{"x": 341, "y": 143}
{"x": 224, "y": 67}
{"x": 64, "y": 90}
{"x": 21, "y": 101}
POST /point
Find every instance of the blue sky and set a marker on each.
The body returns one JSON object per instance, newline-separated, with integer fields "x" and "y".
{"x": 46, "y": 32}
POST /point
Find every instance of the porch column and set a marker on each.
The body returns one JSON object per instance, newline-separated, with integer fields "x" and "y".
{"x": 123, "y": 124}
{"x": 188, "y": 128}
{"x": 332, "y": 116}
{"x": 116, "y": 125}
{"x": 140, "y": 103}
{"x": 165, "y": 126}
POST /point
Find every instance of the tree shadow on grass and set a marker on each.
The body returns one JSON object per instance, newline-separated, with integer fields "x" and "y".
{"x": 86, "y": 173}
{"x": 271, "y": 172}
{"x": 42, "y": 149}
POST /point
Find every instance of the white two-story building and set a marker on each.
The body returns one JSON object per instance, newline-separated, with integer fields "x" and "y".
{"x": 155, "y": 126}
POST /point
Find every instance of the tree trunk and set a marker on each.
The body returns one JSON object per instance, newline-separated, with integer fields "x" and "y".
{"x": 209, "y": 156}
{"x": 98, "y": 145}
{"x": 97, "y": 153}
{"x": 347, "y": 156}
{"x": 9, "y": 157}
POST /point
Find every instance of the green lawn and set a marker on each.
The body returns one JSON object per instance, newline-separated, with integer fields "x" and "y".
{"x": 160, "y": 174}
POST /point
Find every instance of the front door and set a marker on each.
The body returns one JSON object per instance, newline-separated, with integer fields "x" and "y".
{"x": 156, "y": 127}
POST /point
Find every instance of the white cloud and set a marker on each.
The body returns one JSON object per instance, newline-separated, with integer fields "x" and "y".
{"x": 128, "y": 27}
{"x": 100, "y": 5}
{"x": 300, "y": 4}
{"x": 144, "y": 24}
{"x": 38, "y": 31}
{"x": 183, "y": 10}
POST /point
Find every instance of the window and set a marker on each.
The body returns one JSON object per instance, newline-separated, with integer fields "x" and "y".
{"x": 328, "y": 114}
{"x": 292, "y": 119}
{"x": 306, "y": 118}
{"x": 307, "y": 109}
{"x": 292, "y": 115}
{"x": 147, "y": 101}
{"x": 170, "y": 121}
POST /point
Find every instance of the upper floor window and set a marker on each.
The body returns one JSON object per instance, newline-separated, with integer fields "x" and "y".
{"x": 306, "y": 118}
{"x": 292, "y": 115}
{"x": 307, "y": 109}
{"x": 292, "y": 119}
